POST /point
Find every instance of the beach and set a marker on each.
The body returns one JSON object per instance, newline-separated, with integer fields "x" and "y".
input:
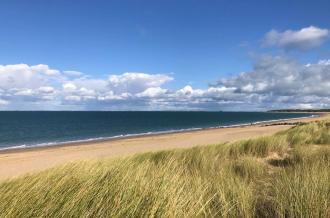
{"x": 17, "y": 162}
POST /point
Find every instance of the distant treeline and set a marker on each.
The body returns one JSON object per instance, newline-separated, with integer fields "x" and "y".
{"x": 301, "y": 110}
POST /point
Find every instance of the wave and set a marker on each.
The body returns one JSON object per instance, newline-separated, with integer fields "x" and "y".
{"x": 123, "y": 136}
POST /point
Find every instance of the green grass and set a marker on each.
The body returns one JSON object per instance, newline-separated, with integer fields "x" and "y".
{"x": 227, "y": 180}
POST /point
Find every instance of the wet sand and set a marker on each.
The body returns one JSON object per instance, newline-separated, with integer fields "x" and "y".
{"x": 14, "y": 163}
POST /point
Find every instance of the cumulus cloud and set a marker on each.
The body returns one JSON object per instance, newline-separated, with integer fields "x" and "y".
{"x": 274, "y": 82}
{"x": 136, "y": 82}
{"x": 24, "y": 76}
{"x": 22, "y": 84}
{"x": 283, "y": 82}
{"x": 303, "y": 39}
{"x": 153, "y": 92}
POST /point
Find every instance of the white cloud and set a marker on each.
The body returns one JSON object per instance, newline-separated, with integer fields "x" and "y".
{"x": 136, "y": 82}
{"x": 44, "y": 69}
{"x": 25, "y": 92}
{"x": 22, "y": 84}
{"x": 3, "y": 102}
{"x": 73, "y": 73}
{"x": 274, "y": 82}
{"x": 99, "y": 85}
{"x": 24, "y": 76}
{"x": 69, "y": 87}
{"x": 109, "y": 96}
{"x": 303, "y": 39}
{"x": 46, "y": 89}
{"x": 86, "y": 92}
{"x": 283, "y": 82}
{"x": 152, "y": 92}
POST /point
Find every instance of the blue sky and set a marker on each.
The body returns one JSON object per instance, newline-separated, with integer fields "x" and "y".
{"x": 195, "y": 43}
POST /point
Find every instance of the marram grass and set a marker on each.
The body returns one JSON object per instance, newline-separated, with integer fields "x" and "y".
{"x": 285, "y": 175}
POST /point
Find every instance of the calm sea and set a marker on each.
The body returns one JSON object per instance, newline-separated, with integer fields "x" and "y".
{"x": 24, "y": 129}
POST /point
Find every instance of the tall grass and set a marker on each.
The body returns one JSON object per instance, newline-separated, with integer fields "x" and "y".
{"x": 227, "y": 180}
{"x": 311, "y": 133}
{"x": 303, "y": 189}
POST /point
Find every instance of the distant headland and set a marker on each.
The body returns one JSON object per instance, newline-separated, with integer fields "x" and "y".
{"x": 300, "y": 110}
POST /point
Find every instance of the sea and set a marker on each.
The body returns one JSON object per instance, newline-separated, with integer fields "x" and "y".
{"x": 25, "y": 129}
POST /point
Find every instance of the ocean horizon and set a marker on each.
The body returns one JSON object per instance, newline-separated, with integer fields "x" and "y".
{"x": 25, "y": 129}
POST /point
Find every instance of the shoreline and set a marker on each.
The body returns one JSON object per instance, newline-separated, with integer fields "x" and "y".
{"x": 14, "y": 163}
{"x": 46, "y": 145}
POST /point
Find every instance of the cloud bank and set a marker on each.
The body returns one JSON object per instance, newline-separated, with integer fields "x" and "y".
{"x": 303, "y": 39}
{"x": 279, "y": 82}
{"x": 274, "y": 82}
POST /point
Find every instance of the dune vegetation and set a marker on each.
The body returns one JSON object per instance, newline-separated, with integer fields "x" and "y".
{"x": 284, "y": 175}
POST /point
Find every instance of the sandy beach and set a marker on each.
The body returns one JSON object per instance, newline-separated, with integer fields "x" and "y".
{"x": 14, "y": 163}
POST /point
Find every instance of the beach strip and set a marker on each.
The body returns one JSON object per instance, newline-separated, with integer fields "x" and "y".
{"x": 15, "y": 163}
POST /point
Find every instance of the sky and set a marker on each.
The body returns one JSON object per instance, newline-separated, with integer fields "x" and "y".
{"x": 164, "y": 55}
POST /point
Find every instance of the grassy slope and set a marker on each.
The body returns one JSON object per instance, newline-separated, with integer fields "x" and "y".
{"x": 285, "y": 175}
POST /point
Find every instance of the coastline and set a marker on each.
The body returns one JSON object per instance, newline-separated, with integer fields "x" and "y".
{"x": 15, "y": 162}
{"x": 146, "y": 134}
